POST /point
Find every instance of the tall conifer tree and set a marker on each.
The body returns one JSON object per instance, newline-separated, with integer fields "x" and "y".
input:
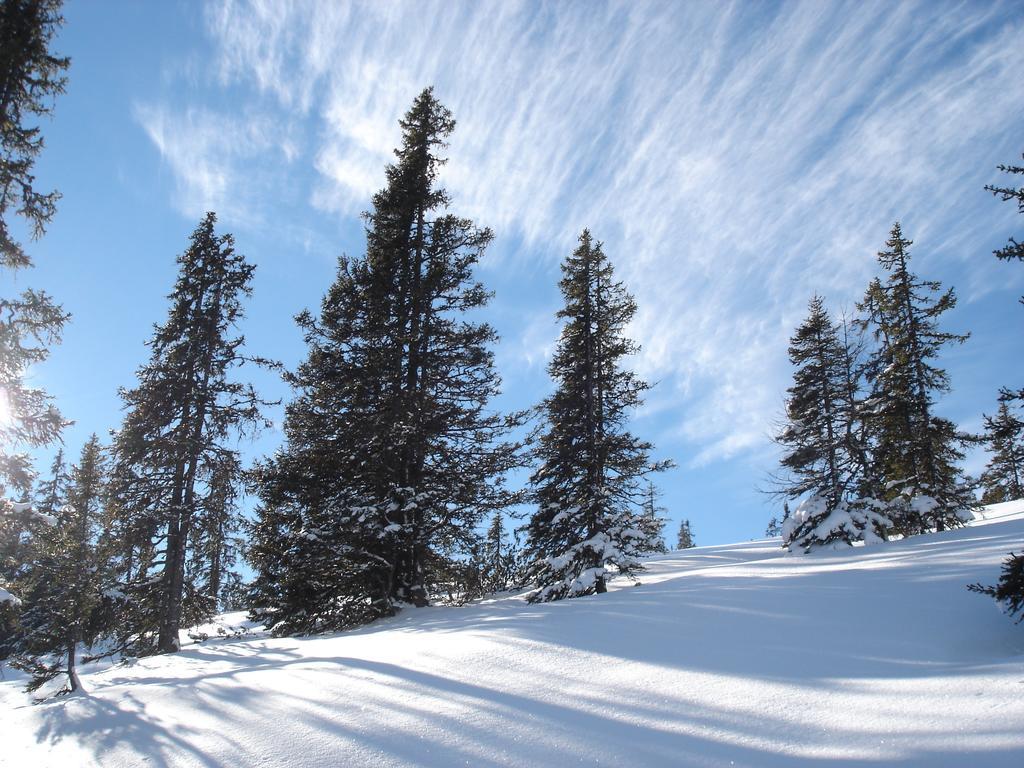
{"x": 176, "y": 439}
{"x": 823, "y": 454}
{"x": 587, "y": 489}
{"x": 393, "y": 454}
{"x": 916, "y": 452}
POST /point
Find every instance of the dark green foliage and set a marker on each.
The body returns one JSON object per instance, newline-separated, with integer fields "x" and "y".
{"x": 1010, "y": 589}
{"x": 64, "y": 604}
{"x": 392, "y": 456}
{"x": 30, "y": 78}
{"x": 175, "y": 470}
{"x": 587, "y": 488}
{"x": 685, "y": 538}
{"x": 1003, "y": 478}
{"x": 915, "y": 452}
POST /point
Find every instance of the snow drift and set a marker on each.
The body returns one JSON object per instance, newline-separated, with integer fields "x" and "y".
{"x": 725, "y": 655}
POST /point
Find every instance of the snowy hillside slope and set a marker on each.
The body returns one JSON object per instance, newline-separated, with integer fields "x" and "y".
{"x": 725, "y": 655}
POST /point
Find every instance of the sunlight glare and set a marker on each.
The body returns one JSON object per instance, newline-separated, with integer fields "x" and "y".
{"x": 5, "y": 409}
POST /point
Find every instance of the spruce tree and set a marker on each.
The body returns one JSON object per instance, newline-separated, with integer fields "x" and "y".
{"x": 685, "y": 538}
{"x": 393, "y": 454}
{"x": 823, "y": 454}
{"x": 1003, "y": 478}
{"x": 497, "y": 559}
{"x": 651, "y": 520}
{"x": 63, "y": 593}
{"x": 30, "y": 79}
{"x": 812, "y": 434}
{"x": 916, "y": 452}
{"x": 587, "y": 489}
{"x": 176, "y": 440}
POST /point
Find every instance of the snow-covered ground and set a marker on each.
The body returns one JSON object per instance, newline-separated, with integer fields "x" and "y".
{"x": 727, "y": 655}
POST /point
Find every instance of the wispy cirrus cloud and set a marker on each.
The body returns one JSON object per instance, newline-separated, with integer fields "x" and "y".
{"x": 211, "y": 156}
{"x": 735, "y": 158}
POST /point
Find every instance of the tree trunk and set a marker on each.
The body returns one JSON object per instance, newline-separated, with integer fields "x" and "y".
{"x": 73, "y": 680}
{"x": 174, "y": 578}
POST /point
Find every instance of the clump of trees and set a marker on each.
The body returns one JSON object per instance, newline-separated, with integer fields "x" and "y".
{"x": 864, "y": 451}
{"x": 392, "y": 488}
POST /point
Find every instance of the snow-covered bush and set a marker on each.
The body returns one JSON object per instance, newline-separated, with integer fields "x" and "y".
{"x": 813, "y": 525}
{"x": 1010, "y": 589}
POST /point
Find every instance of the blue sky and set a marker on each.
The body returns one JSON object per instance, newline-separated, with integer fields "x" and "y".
{"x": 734, "y": 158}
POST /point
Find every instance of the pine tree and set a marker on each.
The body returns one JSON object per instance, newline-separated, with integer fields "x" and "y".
{"x": 916, "y": 452}
{"x": 1003, "y": 478}
{"x": 392, "y": 453}
{"x": 685, "y": 537}
{"x": 174, "y": 445}
{"x": 63, "y": 595}
{"x": 587, "y": 491}
{"x": 651, "y": 521}
{"x": 497, "y": 559}
{"x": 822, "y": 454}
{"x": 812, "y": 434}
{"x": 30, "y": 78}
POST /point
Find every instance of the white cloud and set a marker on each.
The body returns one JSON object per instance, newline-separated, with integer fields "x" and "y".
{"x": 211, "y": 154}
{"x": 734, "y": 159}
